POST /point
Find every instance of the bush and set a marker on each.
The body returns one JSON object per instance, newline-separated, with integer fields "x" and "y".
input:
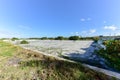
{"x": 74, "y": 38}
{"x": 112, "y": 46}
{"x": 96, "y": 39}
{"x": 24, "y": 42}
{"x": 50, "y": 38}
{"x": 44, "y": 38}
{"x": 59, "y": 38}
{"x": 112, "y": 53}
{"x": 14, "y": 38}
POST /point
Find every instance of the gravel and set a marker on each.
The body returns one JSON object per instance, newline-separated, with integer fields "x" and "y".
{"x": 57, "y": 47}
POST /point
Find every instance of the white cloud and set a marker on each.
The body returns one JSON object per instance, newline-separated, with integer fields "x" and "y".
{"x": 92, "y": 31}
{"x": 72, "y": 33}
{"x": 112, "y": 27}
{"x": 24, "y": 27}
{"x": 88, "y": 19}
{"x": 104, "y": 21}
{"x": 75, "y": 33}
{"x": 8, "y": 34}
{"x": 82, "y": 19}
{"x": 88, "y": 32}
{"x": 85, "y": 19}
{"x": 117, "y": 34}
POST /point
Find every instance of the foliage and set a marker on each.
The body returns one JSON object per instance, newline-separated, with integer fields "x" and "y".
{"x": 86, "y": 38}
{"x": 35, "y": 38}
{"x": 112, "y": 53}
{"x": 74, "y": 38}
{"x": 24, "y": 42}
{"x": 67, "y": 38}
{"x": 44, "y": 38}
{"x": 14, "y": 38}
{"x": 96, "y": 39}
{"x": 50, "y": 38}
{"x": 4, "y": 38}
{"x": 113, "y": 46}
{"x": 59, "y": 38}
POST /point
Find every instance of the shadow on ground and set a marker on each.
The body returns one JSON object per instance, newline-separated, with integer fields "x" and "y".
{"x": 89, "y": 57}
{"x": 86, "y": 57}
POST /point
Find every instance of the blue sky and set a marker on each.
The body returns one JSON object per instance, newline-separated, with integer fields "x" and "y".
{"x": 38, "y": 18}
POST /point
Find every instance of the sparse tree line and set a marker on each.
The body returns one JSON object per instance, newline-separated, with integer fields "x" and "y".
{"x": 59, "y": 38}
{"x": 67, "y": 38}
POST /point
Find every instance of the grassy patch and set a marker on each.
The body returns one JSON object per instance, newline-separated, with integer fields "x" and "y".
{"x": 7, "y": 49}
{"x": 24, "y": 64}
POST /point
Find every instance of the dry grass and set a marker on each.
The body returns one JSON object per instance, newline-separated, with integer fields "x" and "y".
{"x": 20, "y": 64}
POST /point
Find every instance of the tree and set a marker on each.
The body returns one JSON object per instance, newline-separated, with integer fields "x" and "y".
{"x": 14, "y": 38}
{"x": 74, "y": 38}
{"x": 44, "y": 38}
{"x": 59, "y": 38}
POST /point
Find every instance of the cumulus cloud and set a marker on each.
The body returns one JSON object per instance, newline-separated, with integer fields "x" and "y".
{"x": 84, "y": 32}
{"x": 85, "y": 19}
{"x": 88, "y": 32}
{"x": 112, "y": 27}
{"x": 117, "y": 34}
{"x": 92, "y": 31}
{"x": 82, "y": 19}
{"x": 75, "y": 33}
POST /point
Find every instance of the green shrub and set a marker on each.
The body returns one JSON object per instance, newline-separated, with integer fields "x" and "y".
{"x": 14, "y": 38}
{"x": 112, "y": 46}
{"x": 96, "y": 39}
{"x": 74, "y": 38}
{"x": 112, "y": 53}
{"x": 44, "y": 38}
{"x": 59, "y": 38}
{"x": 24, "y": 42}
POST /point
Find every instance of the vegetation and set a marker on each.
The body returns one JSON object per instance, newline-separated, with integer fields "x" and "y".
{"x": 4, "y": 38}
{"x": 74, "y": 38}
{"x": 86, "y": 38}
{"x": 44, "y": 38}
{"x": 59, "y": 38}
{"x": 24, "y": 64}
{"x": 112, "y": 53}
{"x": 96, "y": 39}
{"x": 35, "y": 38}
{"x": 14, "y": 38}
{"x": 24, "y": 42}
{"x": 66, "y": 38}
